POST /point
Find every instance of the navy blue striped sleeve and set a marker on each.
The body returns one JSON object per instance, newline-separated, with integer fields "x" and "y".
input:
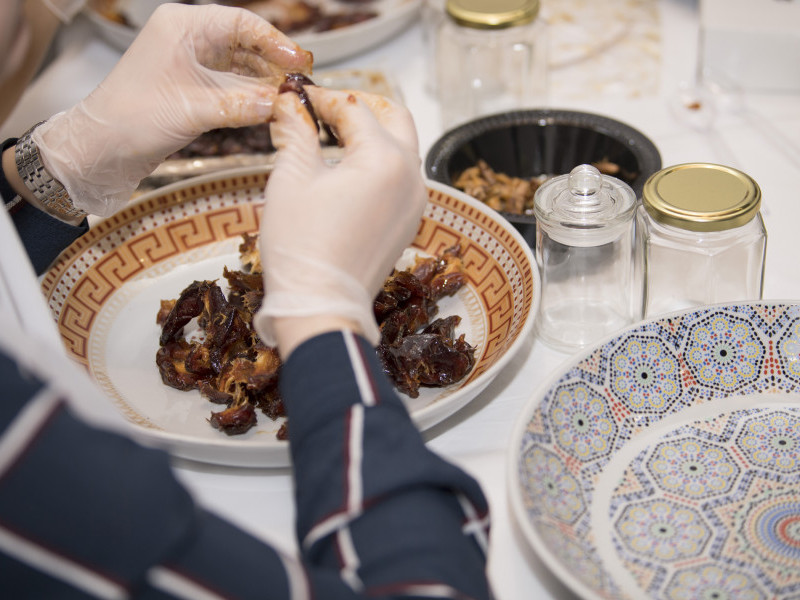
{"x": 85, "y": 513}
{"x": 374, "y": 504}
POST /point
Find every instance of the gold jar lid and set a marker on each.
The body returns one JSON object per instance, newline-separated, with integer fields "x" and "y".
{"x": 492, "y": 14}
{"x": 701, "y": 197}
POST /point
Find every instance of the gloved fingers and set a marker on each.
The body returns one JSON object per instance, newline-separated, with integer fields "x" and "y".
{"x": 238, "y": 40}
{"x": 224, "y": 73}
{"x": 218, "y": 99}
{"x": 240, "y": 61}
{"x": 295, "y": 135}
{"x": 353, "y": 114}
{"x": 248, "y": 63}
{"x": 257, "y": 37}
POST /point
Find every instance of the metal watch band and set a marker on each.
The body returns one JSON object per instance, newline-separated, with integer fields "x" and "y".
{"x": 42, "y": 185}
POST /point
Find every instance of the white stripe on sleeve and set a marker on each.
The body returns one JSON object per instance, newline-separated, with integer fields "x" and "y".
{"x": 360, "y": 371}
{"x": 25, "y": 426}
{"x": 59, "y": 567}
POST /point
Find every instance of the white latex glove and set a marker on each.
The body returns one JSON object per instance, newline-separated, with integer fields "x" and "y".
{"x": 330, "y": 235}
{"x": 65, "y": 10}
{"x": 191, "y": 69}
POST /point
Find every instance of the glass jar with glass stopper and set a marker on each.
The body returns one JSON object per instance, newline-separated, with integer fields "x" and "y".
{"x": 589, "y": 258}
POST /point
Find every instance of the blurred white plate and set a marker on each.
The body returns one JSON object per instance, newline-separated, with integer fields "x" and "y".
{"x": 327, "y": 46}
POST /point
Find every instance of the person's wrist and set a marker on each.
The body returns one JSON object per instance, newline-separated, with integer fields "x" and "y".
{"x": 290, "y": 332}
{"x": 23, "y": 194}
{"x": 35, "y": 183}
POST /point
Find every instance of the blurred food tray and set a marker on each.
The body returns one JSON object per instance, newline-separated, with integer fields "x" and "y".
{"x": 189, "y": 163}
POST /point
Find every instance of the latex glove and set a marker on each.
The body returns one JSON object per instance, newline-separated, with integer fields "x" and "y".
{"x": 330, "y": 235}
{"x": 65, "y": 10}
{"x": 191, "y": 69}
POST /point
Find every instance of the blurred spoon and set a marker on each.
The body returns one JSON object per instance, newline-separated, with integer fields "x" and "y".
{"x": 696, "y": 105}
{"x": 700, "y": 103}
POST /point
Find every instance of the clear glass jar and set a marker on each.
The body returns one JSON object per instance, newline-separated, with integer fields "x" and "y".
{"x": 490, "y": 57}
{"x": 587, "y": 252}
{"x": 704, "y": 238}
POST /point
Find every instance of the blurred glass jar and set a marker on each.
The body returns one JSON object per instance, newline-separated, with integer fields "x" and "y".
{"x": 432, "y": 16}
{"x": 490, "y": 56}
{"x": 704, "y": 238}
{"x": 589, "y": 258}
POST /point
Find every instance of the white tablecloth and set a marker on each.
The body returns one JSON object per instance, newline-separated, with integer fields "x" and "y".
{"x": 762, "y": 139}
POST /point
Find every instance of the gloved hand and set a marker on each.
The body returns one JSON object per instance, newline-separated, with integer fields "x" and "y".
{"x": 191, "y": 69}
{"x": 65, "y": 10}
{"x": 330, "y": 235}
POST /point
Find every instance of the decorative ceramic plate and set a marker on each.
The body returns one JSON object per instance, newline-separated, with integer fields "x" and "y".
{"x": 328, "y": 46}
{"x": 665, "y": 462}
{"x": 105, "y": 291}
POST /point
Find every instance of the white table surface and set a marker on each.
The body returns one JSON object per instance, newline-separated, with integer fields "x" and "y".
{"x": 764, "y": 141}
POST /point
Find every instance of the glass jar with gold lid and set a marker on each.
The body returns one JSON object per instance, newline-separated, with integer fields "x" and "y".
{"x": 704, "y": 237}
{"x": 490, "y": 57}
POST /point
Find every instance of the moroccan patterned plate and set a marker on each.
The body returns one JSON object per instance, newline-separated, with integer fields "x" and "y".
{"x": 105, "y": 291}
{"x": 665, "y": 462}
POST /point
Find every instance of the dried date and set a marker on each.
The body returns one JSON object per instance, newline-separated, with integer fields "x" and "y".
{"x": 230, "y": 366}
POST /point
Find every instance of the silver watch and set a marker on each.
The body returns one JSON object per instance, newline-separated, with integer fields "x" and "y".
{"x": 45, "y": 188}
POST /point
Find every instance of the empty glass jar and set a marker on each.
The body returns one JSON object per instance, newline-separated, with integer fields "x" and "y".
{"x": 587, "y": 253}
{"x": 490, "y": 56}
{"x": 704, "y": 238}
